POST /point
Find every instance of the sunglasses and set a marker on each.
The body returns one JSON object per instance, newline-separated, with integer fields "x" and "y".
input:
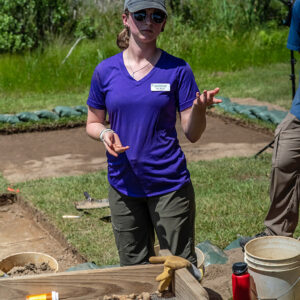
{"x": 157, "y": 16}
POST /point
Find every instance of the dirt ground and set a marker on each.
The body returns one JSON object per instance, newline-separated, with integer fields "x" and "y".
{"x": 24, "y": 229}
{"x": 55, "y": 153}
{"x": 34, "y": 155}
{"x": 217, "y": 279}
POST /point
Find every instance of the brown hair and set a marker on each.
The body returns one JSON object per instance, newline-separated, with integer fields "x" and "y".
{"x": 123, "y": 39}
{"x": 123, "y": 36}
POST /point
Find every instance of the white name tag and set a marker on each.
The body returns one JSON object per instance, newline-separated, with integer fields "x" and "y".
{"x": 160, "y": 87}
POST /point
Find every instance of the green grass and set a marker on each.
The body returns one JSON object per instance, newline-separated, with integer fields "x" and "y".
{"x": 223, "y": 52}
{"x": 252, "y": 64}
{"x": 32, "y": 101}
{"x": 269, "y": 83}
{"x": 3, "y": 184}
{"x": 42, "y": 71}
{"x": 231, "y": 195}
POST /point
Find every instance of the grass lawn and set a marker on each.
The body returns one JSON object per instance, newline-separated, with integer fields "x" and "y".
{"x": 231, "y": 197}
{"x": 268, "y": 83}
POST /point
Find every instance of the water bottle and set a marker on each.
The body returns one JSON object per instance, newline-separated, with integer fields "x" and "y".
{"x": 240, "y": 281}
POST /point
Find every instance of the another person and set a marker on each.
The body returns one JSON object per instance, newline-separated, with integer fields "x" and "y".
{"x": 142, "y": 88}
{"x": 283, "y": 215}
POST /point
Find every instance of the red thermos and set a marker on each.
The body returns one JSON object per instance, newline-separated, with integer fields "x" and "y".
{"x": 240, "y": 281}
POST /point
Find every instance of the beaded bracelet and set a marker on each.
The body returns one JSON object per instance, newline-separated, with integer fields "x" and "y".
{"x": 104, "y": 131}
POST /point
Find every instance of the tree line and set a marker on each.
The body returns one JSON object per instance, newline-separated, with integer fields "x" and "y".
{"x": 28, "y": 24}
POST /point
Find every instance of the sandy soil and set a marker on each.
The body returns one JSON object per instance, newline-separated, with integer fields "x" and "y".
{"x": 34, "y": 155}
{"x": 24, "y": 229}
{"x": 217, "y": 279}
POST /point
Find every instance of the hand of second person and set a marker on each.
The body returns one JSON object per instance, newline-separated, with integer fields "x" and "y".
{"x": 113, "y": 144}
{"x": 207, "y": 98}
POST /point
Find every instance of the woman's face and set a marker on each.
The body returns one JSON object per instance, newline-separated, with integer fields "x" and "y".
{"x": 145, "y": 24}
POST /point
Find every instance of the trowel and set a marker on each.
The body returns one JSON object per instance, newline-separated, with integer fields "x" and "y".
{"x": 91, "y": 203}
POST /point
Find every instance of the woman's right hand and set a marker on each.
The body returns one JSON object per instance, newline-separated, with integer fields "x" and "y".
{"x": 113, "y": 144}
{"x": 96, "y": 123}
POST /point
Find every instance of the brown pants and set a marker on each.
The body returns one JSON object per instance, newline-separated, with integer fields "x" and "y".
{"x": 282, "y": 218}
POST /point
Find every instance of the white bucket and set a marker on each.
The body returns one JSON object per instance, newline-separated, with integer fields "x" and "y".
{"x": 274, "y": 267}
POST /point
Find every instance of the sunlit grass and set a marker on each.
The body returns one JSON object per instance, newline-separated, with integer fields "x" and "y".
{"x": 32, "y": 101}
{"x": 270, "y": 83}
{"x": 231, "y": 196}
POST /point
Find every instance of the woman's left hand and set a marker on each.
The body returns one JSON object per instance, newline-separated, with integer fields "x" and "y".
{"x": 207, "y": 98}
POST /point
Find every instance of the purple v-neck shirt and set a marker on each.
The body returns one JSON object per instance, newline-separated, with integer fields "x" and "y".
{"x": 143, "y": 114}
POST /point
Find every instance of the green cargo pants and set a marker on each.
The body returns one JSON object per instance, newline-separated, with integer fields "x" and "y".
{"x": 171, "y": 216}
{"x": 283, "y": 215}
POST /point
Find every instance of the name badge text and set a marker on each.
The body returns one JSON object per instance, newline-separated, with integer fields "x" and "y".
{"x": 160, "y": 87}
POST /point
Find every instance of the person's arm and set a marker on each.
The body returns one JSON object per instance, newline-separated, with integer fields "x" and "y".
{"x": 94, "y": 127}
{"x": 193, "y": 119}
{"x": 293, "y": 42}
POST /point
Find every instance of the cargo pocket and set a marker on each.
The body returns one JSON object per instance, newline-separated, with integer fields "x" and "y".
{"x": 278, "y": 132}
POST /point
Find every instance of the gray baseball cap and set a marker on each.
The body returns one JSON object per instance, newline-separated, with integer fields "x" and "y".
{"x": 136, "y": 5}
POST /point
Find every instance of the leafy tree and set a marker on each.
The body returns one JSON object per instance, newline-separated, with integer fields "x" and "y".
{"x": 18, "y": 29}
{"x": 233, "y": 15}
{"x": 24, "y": 24}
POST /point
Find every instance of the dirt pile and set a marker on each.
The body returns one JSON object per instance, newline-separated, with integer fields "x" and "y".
{"x": 217, "y": 279}
{"x": 30, "y": 269}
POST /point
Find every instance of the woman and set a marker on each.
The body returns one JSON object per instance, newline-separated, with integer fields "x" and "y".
{"x": 141, "y": 88}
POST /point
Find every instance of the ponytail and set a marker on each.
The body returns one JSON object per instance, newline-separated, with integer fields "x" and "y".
{"x": 123, "y": 39}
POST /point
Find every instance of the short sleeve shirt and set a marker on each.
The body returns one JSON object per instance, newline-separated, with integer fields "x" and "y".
{"x": 293, "y": 43}
{"x": 143, "y": 114}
